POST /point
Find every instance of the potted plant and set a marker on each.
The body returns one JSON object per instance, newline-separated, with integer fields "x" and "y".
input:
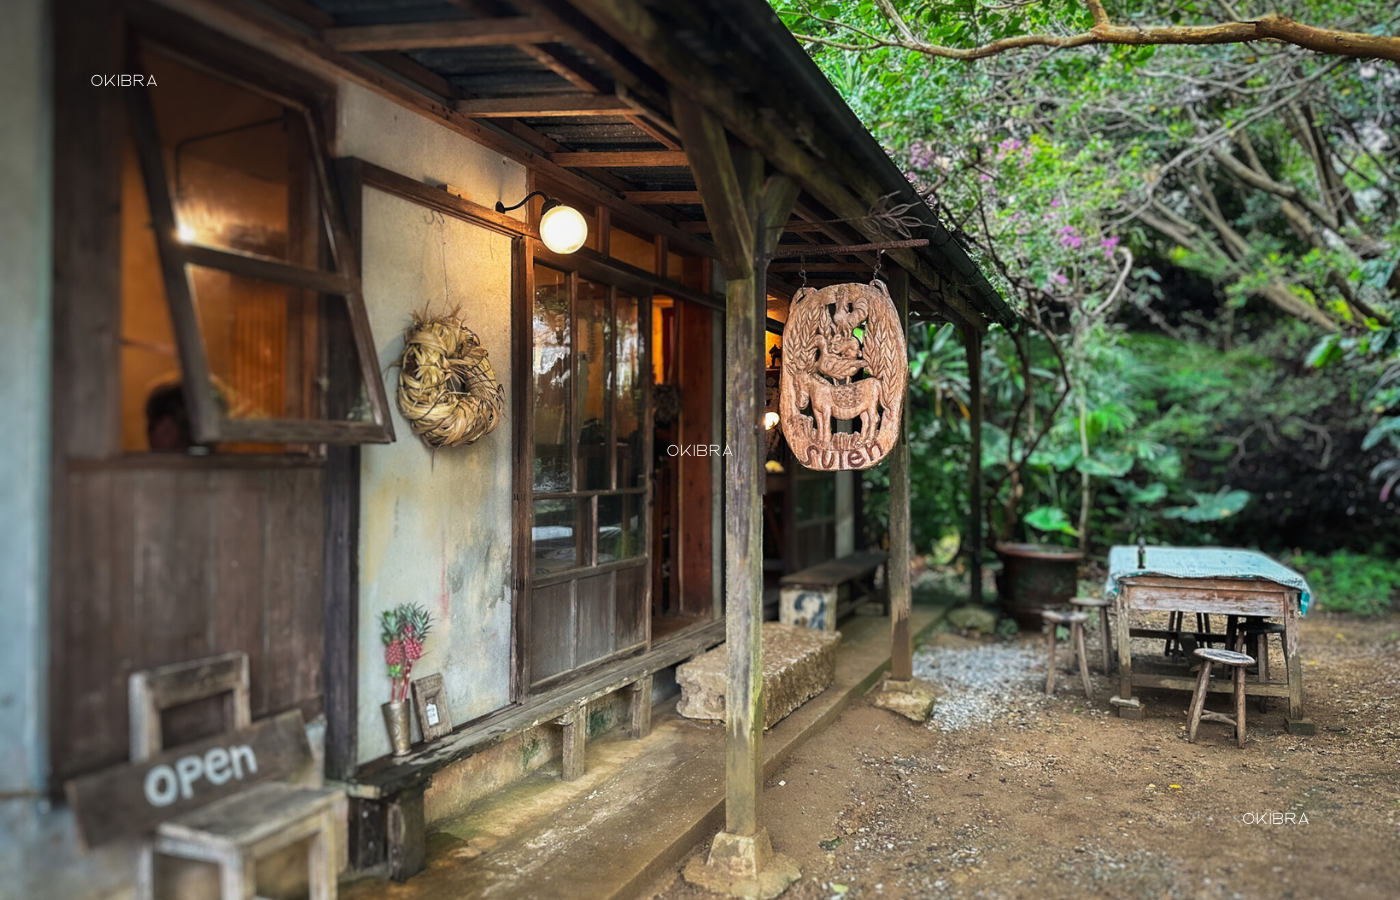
{"x": 403, "y": 630}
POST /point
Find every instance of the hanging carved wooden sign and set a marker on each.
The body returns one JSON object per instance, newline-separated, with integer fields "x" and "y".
{"x": 843, "y": 360}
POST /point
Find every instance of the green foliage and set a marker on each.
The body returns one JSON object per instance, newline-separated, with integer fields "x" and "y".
{"x": 1050, "y": 518}
{"x": 1351, "y": 582}
{"x": 1209, "y": 507}
{"x": 1231, "y": 423}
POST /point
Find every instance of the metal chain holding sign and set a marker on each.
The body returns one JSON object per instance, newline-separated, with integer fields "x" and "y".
{"x": 844, "y": 359}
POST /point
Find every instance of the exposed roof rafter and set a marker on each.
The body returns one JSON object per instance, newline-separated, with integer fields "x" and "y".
{"x": 430, "y": 35}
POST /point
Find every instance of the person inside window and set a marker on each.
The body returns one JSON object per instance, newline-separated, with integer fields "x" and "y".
{"x": 167, "y": 421}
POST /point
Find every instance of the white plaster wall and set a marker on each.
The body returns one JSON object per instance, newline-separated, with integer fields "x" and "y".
{"x": 378, "y": 130}
{"x": 435, "y": 527}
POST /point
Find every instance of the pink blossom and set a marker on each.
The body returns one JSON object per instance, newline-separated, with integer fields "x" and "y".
{"x": 1108, "y": 245}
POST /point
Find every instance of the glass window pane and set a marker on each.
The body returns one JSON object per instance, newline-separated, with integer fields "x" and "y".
{"x": 153, "y": 404}
{"x": 551, "y": 401}
{"x": 826, "y": 496}
{"x": 628, "y": 399}
{"x": 591, "y": 362}
{"x": 555, "y": 535}
{"x": 803, "y": 502}
{"x": 265, "y": 342}
{"x": 619, "y": 526}
{"x": 238, "y": 164}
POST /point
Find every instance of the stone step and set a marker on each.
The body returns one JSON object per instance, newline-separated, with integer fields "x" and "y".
{"x": 798, "y": 664}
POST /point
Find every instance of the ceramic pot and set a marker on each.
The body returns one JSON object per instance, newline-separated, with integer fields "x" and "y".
{"x": 396, "y": 723}
{"x": 1034, "y": 577}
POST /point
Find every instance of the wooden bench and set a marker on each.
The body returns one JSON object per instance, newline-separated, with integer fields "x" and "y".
{"x": 236, "y": 831}
{"x": 387, "y": 818}
{"x": 847, "y": 583}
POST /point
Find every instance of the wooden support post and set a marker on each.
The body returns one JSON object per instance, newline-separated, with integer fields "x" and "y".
{"x": 897, "y": 569}
{"x": 973, "y": 340}
{"x": 746, "y": 211}
{"x": 641, "y": 708}
{"x": 406, "y": 834}
{"x": 575, "y": 723}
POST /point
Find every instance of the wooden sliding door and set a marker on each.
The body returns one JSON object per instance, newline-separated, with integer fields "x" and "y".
{"x": 589, "y": 462}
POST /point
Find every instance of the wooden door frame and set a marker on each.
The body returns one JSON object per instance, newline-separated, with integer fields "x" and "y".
{"x": 622, "y": 278}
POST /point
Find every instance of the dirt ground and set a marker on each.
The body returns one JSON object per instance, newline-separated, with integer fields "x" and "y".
{"x": 1063, "y": 799}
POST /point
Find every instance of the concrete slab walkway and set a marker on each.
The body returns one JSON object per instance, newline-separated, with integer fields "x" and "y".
{"x": 639, "y": 809}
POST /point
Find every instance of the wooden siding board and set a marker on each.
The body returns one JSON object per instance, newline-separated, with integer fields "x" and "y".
{"x": 594, "y": 622}
{"x": 551, "y": 630}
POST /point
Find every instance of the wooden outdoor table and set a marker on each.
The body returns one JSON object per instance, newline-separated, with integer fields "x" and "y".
{"x": 1218, "y": 595}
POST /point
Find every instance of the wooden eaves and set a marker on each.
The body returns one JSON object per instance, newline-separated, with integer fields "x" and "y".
{"x": 768, "y": 94}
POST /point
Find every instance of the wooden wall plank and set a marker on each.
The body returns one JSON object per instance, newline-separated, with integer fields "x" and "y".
{"x": 694, "y": 517}
{"x": 594, "y": 618}
{"x": 551, "y": 631}
{"x": 171, "y": 564}
{"x": 630, "y": 616}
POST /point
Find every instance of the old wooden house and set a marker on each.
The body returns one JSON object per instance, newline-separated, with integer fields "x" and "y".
{"x": 219, "y": 220}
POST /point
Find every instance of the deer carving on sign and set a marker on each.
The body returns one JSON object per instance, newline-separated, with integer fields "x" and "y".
{"x": 843, "y": 360}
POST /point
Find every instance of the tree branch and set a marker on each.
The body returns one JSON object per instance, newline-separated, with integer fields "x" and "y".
{"x": 1270, "y": 27}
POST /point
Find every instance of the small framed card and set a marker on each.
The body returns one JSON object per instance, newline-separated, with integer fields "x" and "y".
{"x": 430, "y": 700}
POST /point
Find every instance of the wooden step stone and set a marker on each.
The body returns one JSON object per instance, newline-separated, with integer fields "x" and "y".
{"x": 798, "y": 664}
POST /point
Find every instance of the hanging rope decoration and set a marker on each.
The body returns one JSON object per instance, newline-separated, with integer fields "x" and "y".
{"x": 447, "y": 389}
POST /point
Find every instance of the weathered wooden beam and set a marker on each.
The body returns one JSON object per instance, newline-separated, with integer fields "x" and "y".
{"x": 793, "y": 227}
{"x": 455, "y": 33}
{"x": 897, "y": 567}
{"x": 575, "y": 725}
{"x": 585, "y": 37}
{"x": 870, "y": 247}
{"x": 973, "y": 341}
{"x": 855, "y": 266}
{"x": 545, "y": 105}
{"x": 720, "y": 189}
{"x": 623, "y": 159}
{"x": 640, "y": 725}
{"x": 692, "y": 197}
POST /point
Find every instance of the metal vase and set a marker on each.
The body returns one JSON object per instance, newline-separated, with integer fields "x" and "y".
{"x": 396, "y": 723}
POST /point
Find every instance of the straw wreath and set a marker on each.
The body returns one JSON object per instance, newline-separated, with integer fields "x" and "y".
{"x": 447, "y": 390}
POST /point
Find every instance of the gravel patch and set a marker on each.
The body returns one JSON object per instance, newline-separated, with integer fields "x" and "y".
{"x": 982, "y": 684}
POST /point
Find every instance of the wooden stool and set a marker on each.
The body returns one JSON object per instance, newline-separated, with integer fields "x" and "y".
{"x": 1254, "y": 633}
{"x": 1102, "y": 606}
{"x": 238, "y": 830}
{"x": 1075, "y": 621}
{"x": 1237, "y": 661}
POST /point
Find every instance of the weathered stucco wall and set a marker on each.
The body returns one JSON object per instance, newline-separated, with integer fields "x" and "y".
{"x": 434, "y": 527}
{"x": 39, "y": 856}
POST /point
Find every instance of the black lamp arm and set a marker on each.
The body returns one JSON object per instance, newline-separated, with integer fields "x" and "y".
{"x": 501, "y": 207}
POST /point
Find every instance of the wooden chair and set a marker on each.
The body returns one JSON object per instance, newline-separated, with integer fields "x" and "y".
{"x": 1075, "y": 621}
{"x": 1236, "y": 661}
{"x": 235, "y": 831}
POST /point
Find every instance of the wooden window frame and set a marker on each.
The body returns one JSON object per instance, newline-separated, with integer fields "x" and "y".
{"x": 210, "y": 424}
